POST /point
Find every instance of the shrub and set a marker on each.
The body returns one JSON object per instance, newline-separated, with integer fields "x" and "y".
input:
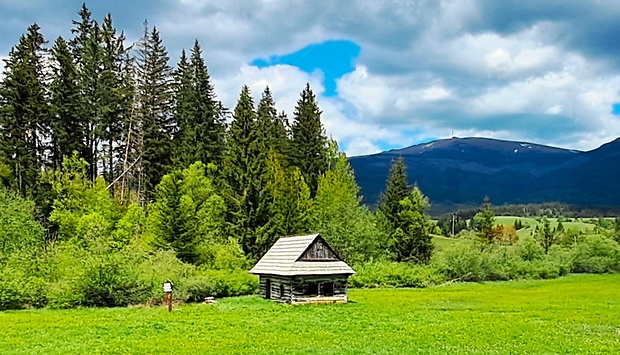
{"x": 219, "y": 283}
{"x": 393, "y": 274}
{"x": 597, "y": 255}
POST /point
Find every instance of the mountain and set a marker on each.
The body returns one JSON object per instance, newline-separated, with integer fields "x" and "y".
{"x": 460, "y": 172}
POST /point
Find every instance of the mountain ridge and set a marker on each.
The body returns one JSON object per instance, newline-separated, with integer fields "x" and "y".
{"x": 462, "y": 171}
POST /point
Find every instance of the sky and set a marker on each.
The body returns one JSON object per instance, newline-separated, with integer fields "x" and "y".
{"x": 389, "y": 74}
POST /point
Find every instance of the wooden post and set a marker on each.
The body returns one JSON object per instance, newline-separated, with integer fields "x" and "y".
{"x": 168, "y": 291}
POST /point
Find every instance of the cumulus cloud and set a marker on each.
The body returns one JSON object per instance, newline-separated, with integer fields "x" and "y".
{"x": 547, "y": 72}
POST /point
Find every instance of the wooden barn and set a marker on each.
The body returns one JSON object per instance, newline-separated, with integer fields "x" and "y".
{"x": 303, "y": 269}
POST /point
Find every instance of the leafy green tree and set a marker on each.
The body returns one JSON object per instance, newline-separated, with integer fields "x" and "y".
{"x": 24, "y": 112}
{"x": 397, "y": 188}
{"x": 18, "y": 228}
{"x": 616, "y": 229}
{"x": 156, "y": 126}
{"x": 348, "y": 225}
{"x": 83, "y": 211}
{"x": 309, "y": 144}
{"x": 187, "y": 213}
{"x": 484, "y": 221}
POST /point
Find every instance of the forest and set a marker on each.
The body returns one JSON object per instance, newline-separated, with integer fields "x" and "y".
{"x": 120, "y": 169}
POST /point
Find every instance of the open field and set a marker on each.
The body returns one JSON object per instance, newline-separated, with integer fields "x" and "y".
{"x": 572, "y": 315}
{"x": 442, "y": 242}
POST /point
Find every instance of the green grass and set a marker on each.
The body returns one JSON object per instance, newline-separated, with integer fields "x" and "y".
{"x": 572, "y": 315}
{"x": 442, "y": 242}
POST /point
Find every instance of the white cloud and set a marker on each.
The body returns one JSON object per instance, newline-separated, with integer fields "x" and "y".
{"x": 425, "y": 68}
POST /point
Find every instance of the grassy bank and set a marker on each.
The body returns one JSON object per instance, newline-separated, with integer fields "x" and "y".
{"x": 572, "y": 315}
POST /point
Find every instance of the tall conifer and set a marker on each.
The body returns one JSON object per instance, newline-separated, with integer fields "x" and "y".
{"x": 66, "y": 123}
{"x": 397, "y": 188}
{"x": 309, "y": 143}
{"x": 87, "y": 52}
{"x": 155, "y": 100}
{"x": 199, "y": 113}
{"x": 24, "y": 113}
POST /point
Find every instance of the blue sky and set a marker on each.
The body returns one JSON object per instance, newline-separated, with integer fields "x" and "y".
{"x": 397, "y": 73}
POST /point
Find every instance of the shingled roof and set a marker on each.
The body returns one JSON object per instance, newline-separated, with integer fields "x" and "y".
{"x": 284, "y": 259}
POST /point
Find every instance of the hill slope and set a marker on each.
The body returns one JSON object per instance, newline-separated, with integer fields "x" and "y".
{"x": 460, "y": 172}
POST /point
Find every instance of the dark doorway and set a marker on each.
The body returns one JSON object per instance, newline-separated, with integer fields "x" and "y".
{"x": 268, "y": 289}
{"x": 313, "y": 289}
{"x": 328, "y": 289}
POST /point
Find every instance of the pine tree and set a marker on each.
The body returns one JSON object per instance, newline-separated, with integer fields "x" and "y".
{"x": 546, "y": 236}
{"x": 115, "y": 95}
{"x": 309, "y": 143}
{"x": 187, "y": 213}
{"x": 411, "y": 240}
{"x": 272, "y": 127}
{"x": 68, "y": 131}
{"x": 24, "y": 114}
{"x": 484, "y": 221}
{"x": 155, "y": 102}
{"x": 397, "y": 188}
{"x": 200, "y": 115}
{"x": 245, "y": 168}
{"x": 85, "y": 47}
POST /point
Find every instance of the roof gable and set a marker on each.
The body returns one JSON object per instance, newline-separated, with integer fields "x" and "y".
{"x": 301, "y": 255}
{"x": 319, "y": 250}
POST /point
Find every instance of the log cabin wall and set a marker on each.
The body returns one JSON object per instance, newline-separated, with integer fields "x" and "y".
{"x": 305, "y": 289}
{"x": 281, "y": 288}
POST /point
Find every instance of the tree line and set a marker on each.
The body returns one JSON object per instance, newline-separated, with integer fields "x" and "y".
{"x": 90, "y": 116}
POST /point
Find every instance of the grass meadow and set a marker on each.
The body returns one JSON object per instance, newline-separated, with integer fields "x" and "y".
{"x": 573, "y": 315}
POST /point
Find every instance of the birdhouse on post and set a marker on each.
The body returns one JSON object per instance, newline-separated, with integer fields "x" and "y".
{"x": 168, "y": 291}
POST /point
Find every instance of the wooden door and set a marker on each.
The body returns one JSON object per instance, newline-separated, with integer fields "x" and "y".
{"x": 268, "y": 289}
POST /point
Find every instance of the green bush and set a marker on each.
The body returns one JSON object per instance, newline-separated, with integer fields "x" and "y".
{"x": 109, "y": 282}
{"x": 596, "y": 255}
{"x": 219, "y": 283}
{"x": 393, "y": 274}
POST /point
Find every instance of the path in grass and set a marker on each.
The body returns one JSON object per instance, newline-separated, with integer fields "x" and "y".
{"x": 572, "y": 315}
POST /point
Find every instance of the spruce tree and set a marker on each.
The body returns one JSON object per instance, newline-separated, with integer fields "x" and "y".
{"x": 309, "y": 143}
{"x": 397, "y": 188}
{"x": 200, "y": 115}
{"x": 115, "y": 92}
{"x": 484, "y": 221}
{"x": 244, "y": 169}
{"x": 272, "y": 127}
{"x": 68, "y": 131}
{"x": 86, "y": 49}
{"x": 155, "y": 102}
{"x": 411, "y": 240}
{"x": 24, "y": 113}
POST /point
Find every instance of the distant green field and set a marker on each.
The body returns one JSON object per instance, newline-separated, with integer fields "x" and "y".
{"x": 442, "y": 242}
{"x": 571, "y": 315}
{"x": 531, "y": 223}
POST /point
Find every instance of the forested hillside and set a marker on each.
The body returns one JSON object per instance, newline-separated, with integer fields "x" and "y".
{"x": 121, "y": 168}
{"x": 457, "y": 173}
